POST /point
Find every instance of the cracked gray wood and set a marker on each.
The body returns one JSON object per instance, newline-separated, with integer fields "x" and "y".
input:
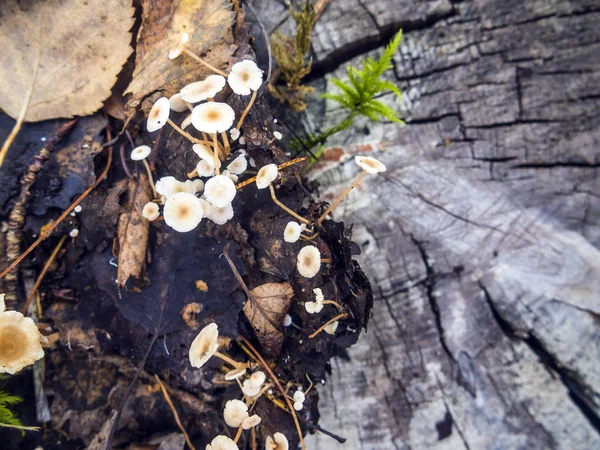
{"x": 481, "y": 240}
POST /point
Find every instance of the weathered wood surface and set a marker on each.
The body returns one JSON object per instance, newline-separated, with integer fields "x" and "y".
{"x": 482, "y": 238}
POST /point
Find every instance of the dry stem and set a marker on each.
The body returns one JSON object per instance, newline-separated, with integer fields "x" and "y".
{"x": 216, "y": 153}
{"x": 174, "y": 411}
{"x": 246, "y": 111}
{"x": 201, "y": 61}
{"x": 340, "y": 198}
{"x": 285, "y": 208}
{"x": 150, "y": 177}
{"x": 330, "y": 321}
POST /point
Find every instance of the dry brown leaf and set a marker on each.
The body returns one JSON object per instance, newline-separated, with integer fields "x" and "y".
{"x": 266, "y": 311}
{"x": 132, "y": 231}
{"x": 209, "y": 25}
{"x": 68, "y": 51}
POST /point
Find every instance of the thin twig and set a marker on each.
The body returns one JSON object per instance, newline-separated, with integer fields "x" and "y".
{"x": 124, "y": 161}
{"x": 42, "y": 274}
{"x": 285, "y": 208}
{"x": 338, "y": 317}
{"x": 278, "y": 384}
{"x": 174, "y": 411}
{"x": 280, "y": 167}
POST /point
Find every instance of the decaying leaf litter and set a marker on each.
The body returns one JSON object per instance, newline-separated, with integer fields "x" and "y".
{"x": 127, "y": 296}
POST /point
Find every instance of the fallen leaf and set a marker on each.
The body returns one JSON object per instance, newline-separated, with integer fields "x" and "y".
{"x": 209, "y": 25}
{"x": 68, "y": 53}
{"x": 266, "y": 310}
{"x": 132, "y": 231}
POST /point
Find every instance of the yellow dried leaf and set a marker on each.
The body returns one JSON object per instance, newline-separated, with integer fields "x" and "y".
{"x": 266, "y": 310}
{"x": 67, "y": 52}
{"x": 209, "y": 25}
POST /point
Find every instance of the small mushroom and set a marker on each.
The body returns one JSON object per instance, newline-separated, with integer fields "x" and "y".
{"x": 213, "y": 118}
{"x": 205, "y": 345}
{"x": 20, "y": 340}
{"x": 205, "y": 169}
{"x": 183, "y": 212}
{"x": 309, "y": 261}
{"x": 220, "y": 216}
{"x": 287, "y": 320}
{"x": 234, "y": 133}
{"x": 299, "y": 398}
{"x": 233, "y": 177}
{"x": 222, "y": 443}
{"x": 278, "y": 135}
{"x": 368, "y": 165}
{"x": 178, "y": 104}
{"x": 292, "y": 231}
{"x": 205, "y": 153}
{"x": 203, "y": 90}
{"x": 159, "y": 114}
{"x": 245, "y": 77}
{"x": 140, "y": 153}
{"x": 150, "y": 211}
{"x": 331, "y": 328}
{"x": 266, "y": 175}
{"x": 235, "y": 374}
{"x": 74, "y": 233}
{"x": 317, "y": 305}
{"x": 219, "y": 191}
{"x": 257, "y": 378}
{"x": 250, "y": 389}
{"x": 239, "y": 165}
{"x": 169, "y": 186}
{"x": 277, "y": 442}
{"x": 251, "y": 421}
{"x": 235, "y": 413}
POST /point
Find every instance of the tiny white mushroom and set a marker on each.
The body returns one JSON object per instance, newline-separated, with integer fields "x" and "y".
{"x": 317, "y": 305}
{"x": 371, "y": 165}
{"x": 234, "y": 133}
{"x": 199, "y": 185}
{"x": 245, "y": 77}
{"x": 222, "y": 443}
{"x": 183, "y": 212}
{"x": 287, "y": 320}
{"x": 235, "y": 413}
{"x": 242, "y": 140}
{"x": 178, "y": 104}
{"x": 74, "y": 233}
{"x": 230, "y": 175}
{"x": 235, "y": 374}
{"x": 202, "y": 90}
{"x": 150, "y": 211}
{"x": 205, "y": 169}
{"x": 159, "y": 114}
{"x": 220, "y": 216}
{"x": 205, "y": 153}
{"x": 78, "y": 209}
{"x": 292, "y": 231}
{"x": 251, "y": 421}
{"x": 277, "y": 442}
{"x": 169, "y": 186}
{"x": 278, "y": 135}
{"x": 213, "y": 117}
{"x": 266, "y": 175}
{"x": 20, "y": 341}
{"x": 309, "y": 261}
{"x": 238, "y": 166}
{"x": 140, "y": 152}
{"x": 204, "y": 345}
{"x": 257, "y": 378}
{"x": 249, "y": 389}
{"x": 186, "y": 122}
{"x": 219, "y": 191}
{"x": 178, "y": 49}
{"x": 330, "y": 329}
{"x": 299, "y": 398}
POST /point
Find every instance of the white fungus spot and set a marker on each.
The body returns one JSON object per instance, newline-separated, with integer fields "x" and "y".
{"x": 292, "y": 231}
{"x": 150, "y": 211}
{"x": 213, "y": 117}
{"x": 202, "y": 90}
{"x": 244, "y": 77}
{"x": 141, "y": 152}
{"x": 74, "y": 233}
{"x": 234, "y": 133}
{"x": 235, "y": 413}
{"x": 330, "y": 329}
{"x": 204, "y": 345}
{"x": 238, "y": 166}
{"x": 309, "y": 261}
{"x": 287, "y": 320}
{"x": 78, "y": 209}
{"x": 317, "y": 305}
{"x": 183, "y": 211}
{"x": 159, "y": 114}
{"x": 369, "y": 164}
{"x": 242, "y": 140}
{"x": 219, "y": 191}
{"x": 266, "y": 175}
{"x": 278, "y": 135}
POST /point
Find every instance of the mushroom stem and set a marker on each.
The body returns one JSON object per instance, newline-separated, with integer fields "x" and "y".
{"x": 326, "y": 260}
{"x": 201, "y": 61}
{"x": 147, "y": 166}
{"x": 330, "y": 321}
{"x": 216, "y": 152}
{"x": 245, "y": 113}
{"x": 185, "y": 134}
{"x": 238, "y": 435}
{"x": 285, "y": 208}
{"x": 331, "y": 302}
{"x": 193, "y": 173}
{"x": 310, "y": 237}
{"x": 340, "y": 198}
{"x": 228, "y": 360}
{"x": 226, "y": 145}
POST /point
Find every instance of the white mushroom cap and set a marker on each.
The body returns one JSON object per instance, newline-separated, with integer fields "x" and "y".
{"x": 177, "y": 103}
{"x": 183, "y": 211}
{"x": 299, "y": 396}
{"x": 251, "y": 421}
{"x": 298, "y": 406}
{"x": 213, "y": 117}
{"x": 369, "y": 164}
{"x": 169, "y": 186}
{"x": 330, "y": 329}
{"x": 287, "y": 320}
{"x": 235, "y": 374}
{"x": 220, "y": 216}
{"x": 319, "y": 295}
{"x": 277, "y": 442}
{"x": 219, "y": 191}
{"x": 205, "y": 169}
{"x": 230, "y": 175}
{"x": 292, "y": 231}
{"x": 178, "y": 49}
{"x": 19, "y": 341}
{"x": 234, "y": 133}
{"x": 266, "y": 175}
{"x": 257, "y": 378}
{"x": 141, "y": 152}
{"x": 2, "y": 303}
{"x": 186, "y": 122}
{"x": 204, "y": 345}
{"x": 249, "y": 389}
{"x": 278, "y": 135}
{"x": 244, "y": 77}
{"x": 313, "y": 307}
{"x": 150, "y": 211}
{"x": 201, "y": 90}
{"x": 159, "y": 114}
{"x": 235, "y": 413}
{"x": 238, "y": 166}
{"x": 205, "y": 153}
{"x": 199, "y": 185}
{"x": 222, "y": 443}
{"x": 74, "y": 233}
{"x": 309, "y": 261}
